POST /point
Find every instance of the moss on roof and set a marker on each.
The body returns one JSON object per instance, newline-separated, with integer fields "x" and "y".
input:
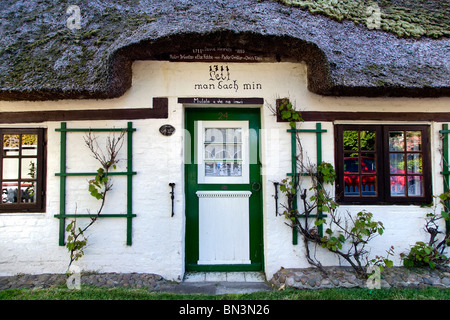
{"x": 66, "y": 52}
{"x": 40, "y": 58}
{"x": 402, "y": 17}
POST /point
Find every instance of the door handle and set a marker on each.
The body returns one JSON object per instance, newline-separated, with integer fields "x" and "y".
{"x": 256, "y": 186}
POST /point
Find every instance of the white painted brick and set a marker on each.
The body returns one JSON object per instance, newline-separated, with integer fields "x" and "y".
{"x": 29, "y": 242}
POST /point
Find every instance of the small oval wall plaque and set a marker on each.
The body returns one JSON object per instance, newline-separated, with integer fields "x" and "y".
{"x": 167, "y": 130}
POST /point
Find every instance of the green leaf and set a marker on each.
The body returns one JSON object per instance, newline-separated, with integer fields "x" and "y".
{"x": 319, "y": 222}
{"x": 285, "y": 115}
{"x": 69, "y": 226}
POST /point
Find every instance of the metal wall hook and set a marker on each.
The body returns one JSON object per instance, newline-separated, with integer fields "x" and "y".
{"x": 276, "y": 198}
{"x": 172, "y": 195}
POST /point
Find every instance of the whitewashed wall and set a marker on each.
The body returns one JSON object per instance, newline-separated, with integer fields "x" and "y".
{"x": 29, "y": 241}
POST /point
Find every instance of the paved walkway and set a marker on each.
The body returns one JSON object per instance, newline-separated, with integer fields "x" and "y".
{"x": 220, "y": 283}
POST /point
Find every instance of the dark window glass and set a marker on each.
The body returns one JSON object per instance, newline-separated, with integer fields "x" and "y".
{"x": 379, "y": 164}
{"x": 22, "y": 160}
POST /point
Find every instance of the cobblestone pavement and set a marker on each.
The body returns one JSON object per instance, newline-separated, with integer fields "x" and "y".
{"x": 341, "y": 277}
{"x": 207, "y": 283}
{"x": 310, "y": 278}
{"x": 110, "y": 280}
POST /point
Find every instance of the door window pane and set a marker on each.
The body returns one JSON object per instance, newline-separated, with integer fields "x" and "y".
{"x": 220, "y": 168}
{"x": 223, "y": 135}
{"x": 223, "y": 152}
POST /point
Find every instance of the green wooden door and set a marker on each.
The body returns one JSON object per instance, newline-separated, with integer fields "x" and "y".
{"x": 223, "y": 190}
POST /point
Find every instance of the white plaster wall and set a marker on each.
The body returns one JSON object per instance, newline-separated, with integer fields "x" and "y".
{"x": 29, "y": 242}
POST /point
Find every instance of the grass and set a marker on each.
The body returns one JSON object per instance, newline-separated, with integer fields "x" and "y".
{"x": 96, "y": 293}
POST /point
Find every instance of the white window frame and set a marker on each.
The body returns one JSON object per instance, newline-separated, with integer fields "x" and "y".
{"x": 200, "y": 127}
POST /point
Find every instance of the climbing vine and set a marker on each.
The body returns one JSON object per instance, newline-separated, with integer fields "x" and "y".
{"x": 345, "y": 235}
{"x": 98, "y": 188}
{"x": 431, "y": 254}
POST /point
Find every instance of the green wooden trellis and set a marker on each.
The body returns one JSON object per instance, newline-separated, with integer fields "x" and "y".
{"x": 446, "y": 172}
{"x": 63, "y": 174}
{"x": 318, "y": 131}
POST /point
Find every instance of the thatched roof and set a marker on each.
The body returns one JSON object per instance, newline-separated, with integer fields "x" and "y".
{"x": 42, "y": 59}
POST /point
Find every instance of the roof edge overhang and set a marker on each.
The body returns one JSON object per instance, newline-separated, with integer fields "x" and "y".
{"x": 276, "y": 48}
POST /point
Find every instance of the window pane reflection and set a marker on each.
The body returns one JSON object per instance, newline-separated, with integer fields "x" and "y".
{"x": 396, "y": 141}
{"x": 228, "y": 152}
{"x": 351, "y": 163}
{"x": 11, "y": 144}
{"x": 415, "y": 186}
{"x": 29, "y": 145}
{"x": 368, "y": 164}
{"x": 414, "y": 163}
{"x": 367, "y": 140}
{"x": 28, "y": 168}
{"x": 351, "y": 185}
{"x": 397, "y": 163}
{"x": 360, "y": 166}
{"x": 398, "y": 186}
{"x": 413, "y": 141}
{"x": 9, "y": 192}
{"x": 223, "y": 152}
{"x": 351, "y": 140}
{"x": 27, "y": 190}
{"x": 220, "y": 168}
{"x": 223, "y": 135}
{"x": 368, "y": 186}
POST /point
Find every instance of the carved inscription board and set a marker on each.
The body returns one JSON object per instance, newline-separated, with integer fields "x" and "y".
{"x": 217, "y": 54}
